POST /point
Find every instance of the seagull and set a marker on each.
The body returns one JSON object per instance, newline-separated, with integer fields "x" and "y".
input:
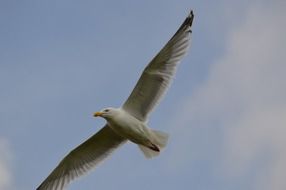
{"x": 129, "y": 122}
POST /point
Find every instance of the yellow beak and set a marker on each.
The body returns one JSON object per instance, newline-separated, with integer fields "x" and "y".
{"x": 96, "y": 114}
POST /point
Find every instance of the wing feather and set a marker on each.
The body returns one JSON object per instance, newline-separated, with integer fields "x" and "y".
{"x": 158, "y": 74}
{"x": 83, "y": 159}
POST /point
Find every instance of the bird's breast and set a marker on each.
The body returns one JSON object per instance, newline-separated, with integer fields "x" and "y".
{"x": 129, "y": 127}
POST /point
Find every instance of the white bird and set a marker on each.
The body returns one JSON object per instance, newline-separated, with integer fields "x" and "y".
{"x": 130, "y": 121}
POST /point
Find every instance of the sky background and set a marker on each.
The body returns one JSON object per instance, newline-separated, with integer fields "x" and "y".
{"x": 62, "y": 60}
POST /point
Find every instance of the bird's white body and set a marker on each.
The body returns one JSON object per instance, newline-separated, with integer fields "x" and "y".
{"x": 135, "y": 130}
{"x": 129, "y": 127}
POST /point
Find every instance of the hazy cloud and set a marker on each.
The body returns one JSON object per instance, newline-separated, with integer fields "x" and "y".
{"x": 240, "y": 110}
{"x": 5, "y": 173}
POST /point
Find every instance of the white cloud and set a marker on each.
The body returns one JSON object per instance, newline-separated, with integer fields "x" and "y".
{"x": 5, "y": 173}
{"x": 244, "y": 101}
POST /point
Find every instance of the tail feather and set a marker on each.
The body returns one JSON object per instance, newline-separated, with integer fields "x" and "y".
{"x": 159, "y": 142}
{"x": 161, "y": 138}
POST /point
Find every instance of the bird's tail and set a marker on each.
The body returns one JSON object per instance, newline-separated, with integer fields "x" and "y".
{"x": 159, "y": 142}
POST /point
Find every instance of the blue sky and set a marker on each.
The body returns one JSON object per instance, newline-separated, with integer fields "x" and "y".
{"x": 62, "y": 60}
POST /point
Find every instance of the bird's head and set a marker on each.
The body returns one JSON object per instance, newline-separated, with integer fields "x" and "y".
{"x": 106, "y": 113}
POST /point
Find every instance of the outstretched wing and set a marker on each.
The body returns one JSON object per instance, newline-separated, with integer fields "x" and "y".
{"x": 158, "y": 74}
{"x": 82, "y": 159}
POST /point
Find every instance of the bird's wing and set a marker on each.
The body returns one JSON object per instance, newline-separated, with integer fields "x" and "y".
{"x": 158, "y": 74}
{"x": 82, "y": 159}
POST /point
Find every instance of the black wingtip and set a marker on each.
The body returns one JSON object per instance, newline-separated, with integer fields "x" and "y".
{"x": 187, "y": 24}
{"x": 191, "y": 14}
{"x": 190, "y": 18}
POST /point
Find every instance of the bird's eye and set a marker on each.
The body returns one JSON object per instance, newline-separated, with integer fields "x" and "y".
{"x": 106, "y": 110}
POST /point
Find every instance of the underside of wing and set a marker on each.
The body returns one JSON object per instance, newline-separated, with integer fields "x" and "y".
{"x": 158, "y": 74}
{"x": 82, "y": 159}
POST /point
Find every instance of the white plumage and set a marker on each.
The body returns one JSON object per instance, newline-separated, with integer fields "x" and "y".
{"x": 129, "y": 121}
